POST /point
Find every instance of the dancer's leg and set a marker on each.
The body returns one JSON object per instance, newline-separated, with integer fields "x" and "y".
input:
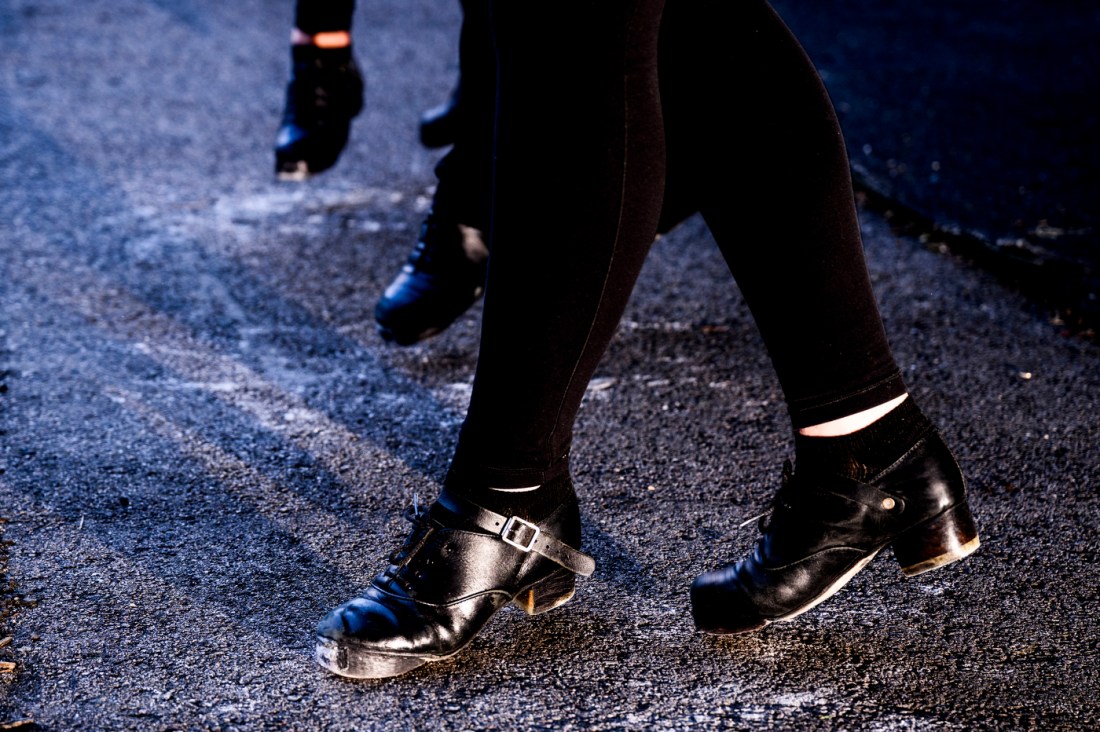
{"x": 578, "y": 131}
{"x": 871, "y": 469}
{"x": 465, "y": 174}
{"x": 325, "y": 91}
{"x": 579, "y": 138}
{"x": 445, "y": 273}
{"x": 789, "y": 230}
{"x": 326, "y": 16}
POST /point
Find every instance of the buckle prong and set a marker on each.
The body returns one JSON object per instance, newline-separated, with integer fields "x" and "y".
{"x": 513, "y": 528}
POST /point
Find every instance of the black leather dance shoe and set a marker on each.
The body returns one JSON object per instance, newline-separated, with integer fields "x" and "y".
{"x": 439, "y": 125}
{"x": 443, "y": 277}
{"x": 324, "y": 94}
{"x": 459, "y": 566}
{"x": 823, "y": 529}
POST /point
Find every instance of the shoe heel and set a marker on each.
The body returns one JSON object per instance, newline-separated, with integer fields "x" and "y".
{"x": 949, "y": 537}
{"x": 552, "y": 592}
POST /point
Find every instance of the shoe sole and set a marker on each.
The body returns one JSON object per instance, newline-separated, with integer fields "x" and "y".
{"x": 951, "y": 528}
{"x": 831, "y": 590}
{"x": 951, "y": 536}
{"x": 947, "y": 538}
{"x": 336, "y": 658}
{"x": 926, "y": 566}
{"x": 401, "y": 339}
{"x": 294, "y": 175}
{"x": 545, "y": 595}
{"x": 942, "y": 561}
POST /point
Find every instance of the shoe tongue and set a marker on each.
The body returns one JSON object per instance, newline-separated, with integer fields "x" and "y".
{"x": 449, "y": 511}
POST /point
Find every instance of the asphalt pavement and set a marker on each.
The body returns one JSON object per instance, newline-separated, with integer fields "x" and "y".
{"x": 205, "y": 445}
{"x": 975, "y": 122}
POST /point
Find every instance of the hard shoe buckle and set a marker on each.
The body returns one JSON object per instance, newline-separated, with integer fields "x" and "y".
{"x": 520, "y": 534}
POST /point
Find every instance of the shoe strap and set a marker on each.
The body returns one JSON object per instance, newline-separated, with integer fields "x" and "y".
{"x": 517, "y": 532}
{"x": 813, "y": 496}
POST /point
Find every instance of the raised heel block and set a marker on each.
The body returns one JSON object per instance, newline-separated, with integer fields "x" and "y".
{"x": 552, "y": 592}
{"x": 947, "y": 538}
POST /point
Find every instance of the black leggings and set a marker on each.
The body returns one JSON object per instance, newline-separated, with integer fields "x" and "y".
{"x": 319, "y": 16}
{"x": 465, "y": 173}
{"x": 579, "y": 179}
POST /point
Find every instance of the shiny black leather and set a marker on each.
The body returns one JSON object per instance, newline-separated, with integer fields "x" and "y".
{"x": 450, "y": 577}
{"x": 824, "y": 528}
{"x": 443, "y": 277}
{"x": 439, "y": 125}
{"x": 324, "y": 94}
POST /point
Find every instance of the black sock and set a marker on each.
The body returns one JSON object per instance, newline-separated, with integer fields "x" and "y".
{"x": 531, "y": 505}
{"x": 866, "y": 452}
{"x": 330, "y": 57}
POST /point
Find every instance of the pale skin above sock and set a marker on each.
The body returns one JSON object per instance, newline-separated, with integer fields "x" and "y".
{"x": 853, "y": 422}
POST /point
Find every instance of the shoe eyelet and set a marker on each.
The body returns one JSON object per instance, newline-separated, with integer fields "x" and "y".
{"x": 889, "y": 503}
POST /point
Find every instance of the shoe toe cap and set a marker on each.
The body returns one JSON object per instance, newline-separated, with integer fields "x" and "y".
{"x": 393, "y": 627}
{"x": 417, "y": 305}
{"x": 720, "y": 605}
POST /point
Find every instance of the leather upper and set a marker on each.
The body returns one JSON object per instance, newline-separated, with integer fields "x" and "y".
{"x": 823, "y": 526}
{"x": 444, "y": 583}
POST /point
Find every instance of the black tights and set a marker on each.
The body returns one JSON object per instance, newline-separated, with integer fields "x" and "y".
{"x": 464, "y": 193}
{"x": 319, "y": 16}
{"x": 579, "y": 179}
